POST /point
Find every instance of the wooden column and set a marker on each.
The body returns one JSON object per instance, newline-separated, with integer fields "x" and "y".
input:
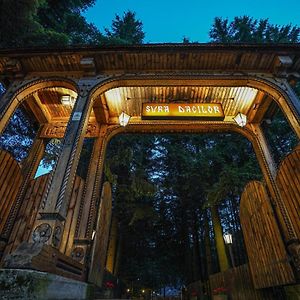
{"x": 112, "y": 246}
{"x": 92, "y": 190}
{"x": 269, "y": 171}
{"x": 49, "y": 227}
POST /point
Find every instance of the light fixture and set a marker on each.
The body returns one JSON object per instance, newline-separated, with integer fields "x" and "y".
{"x": 128, "y": 290}
{"x": 124, "y": 119}
{"x": 143, "y": 291}
{"x": 67, "y": 100}
{"x": 227, "y": 238}
{"x": 240, "y": 119}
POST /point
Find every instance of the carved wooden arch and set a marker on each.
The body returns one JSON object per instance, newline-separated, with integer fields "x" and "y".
{"x": 197, "y": 127}
{"x": 276, "y": 90}
{"x": 20, "y": 91}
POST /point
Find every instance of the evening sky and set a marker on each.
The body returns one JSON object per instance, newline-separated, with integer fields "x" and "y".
{"x": 171, "y": 20}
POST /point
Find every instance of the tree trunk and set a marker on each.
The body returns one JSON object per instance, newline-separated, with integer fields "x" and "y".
{"x": 209, "y": 268}
{"x": 221, "y": 251}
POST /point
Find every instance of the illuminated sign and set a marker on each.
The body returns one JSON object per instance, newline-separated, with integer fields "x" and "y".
{"x": 201, "y": 111}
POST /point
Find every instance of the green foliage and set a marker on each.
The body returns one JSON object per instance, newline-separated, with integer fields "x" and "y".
{"x": 248, "y": 30}
{"x": 55, "y": 23}
{"x": 126, "y": 29}
{"x": 19, "y": 134}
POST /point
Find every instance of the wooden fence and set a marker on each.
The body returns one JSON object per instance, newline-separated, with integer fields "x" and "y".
{"x": 10, "y": 182}
{"x": 288, "y": 182}
{"x": 238, "y": 284}
{"x": 267, "y": 255}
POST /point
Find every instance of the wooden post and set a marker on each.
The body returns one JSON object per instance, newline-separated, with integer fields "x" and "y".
{"x": 49, "y": 227}
{"x": 92, "y": 190}
{"x": 269, "y": 171}
{"x": 112, "y": 246}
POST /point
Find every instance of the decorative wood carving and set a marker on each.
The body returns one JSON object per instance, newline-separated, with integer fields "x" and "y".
{"x": 57, "y": 130}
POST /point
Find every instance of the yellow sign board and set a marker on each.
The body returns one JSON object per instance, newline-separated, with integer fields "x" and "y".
{"x": 201, "y": 111}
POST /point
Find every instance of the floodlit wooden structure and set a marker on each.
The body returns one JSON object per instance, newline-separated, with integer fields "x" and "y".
{"x": 78, "y": 93}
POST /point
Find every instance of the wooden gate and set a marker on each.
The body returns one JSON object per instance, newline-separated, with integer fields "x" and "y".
{"x": 10, "y": 181}
{"x": 267, "y": 255}
{"x": 288, "y": 182}
{"x": 29, "y": 209}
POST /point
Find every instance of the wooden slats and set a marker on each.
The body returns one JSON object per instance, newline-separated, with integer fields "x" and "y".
{"x": 27, "y": 213}
{"x": 10, "y": 182}
{"x": 288, "y": 182}
{"x": 72, "y": 215}
{"x": 267, "y": 255}
{"x": 238, "y": 283}
{"x": 29, "y": 209}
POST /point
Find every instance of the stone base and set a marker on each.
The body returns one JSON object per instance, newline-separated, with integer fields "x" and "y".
{"x": 35, "y": 285}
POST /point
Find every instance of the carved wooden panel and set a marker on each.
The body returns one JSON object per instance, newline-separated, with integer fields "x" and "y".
{"x": 57, "y": 130}
{"x": 268, "y": 259}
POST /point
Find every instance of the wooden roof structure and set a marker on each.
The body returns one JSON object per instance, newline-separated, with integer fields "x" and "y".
{"x": 172, "y": 61}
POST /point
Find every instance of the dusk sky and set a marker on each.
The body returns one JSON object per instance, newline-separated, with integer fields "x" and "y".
{"x": 170, "y": 21}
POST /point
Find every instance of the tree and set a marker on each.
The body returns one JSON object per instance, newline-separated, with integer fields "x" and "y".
{"x": 126, "y": 30}
{"x": 46, "y": 23}
{"x": 248, "y": 30}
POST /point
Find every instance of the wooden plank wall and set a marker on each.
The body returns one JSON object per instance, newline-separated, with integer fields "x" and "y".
{"x": 10, "y": 182}
{"x": 238, "y": 283}
{"x": 29, "y": 209}
{"x": 288, "y": 182}
{"x": 267, "y": 255}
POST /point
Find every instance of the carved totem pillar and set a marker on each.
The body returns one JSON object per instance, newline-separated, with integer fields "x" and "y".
{"x": 50, "y": 224}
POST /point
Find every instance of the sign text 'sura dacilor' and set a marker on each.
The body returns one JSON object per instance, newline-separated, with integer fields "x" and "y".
{"x": 204, "y": 111}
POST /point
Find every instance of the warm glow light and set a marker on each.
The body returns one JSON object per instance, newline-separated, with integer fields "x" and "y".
{"x": 227, "y": 238}
{"x": 240, "y": 119}
{"x": 67, "y": 100}
{"x": 143, "y": 291}
{"x": 128, "y": 290}
{"x": 124, "y": 119}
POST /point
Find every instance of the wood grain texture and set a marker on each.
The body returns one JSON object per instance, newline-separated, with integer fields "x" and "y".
{"x": 239, "y": 285}
{"x": 288, "y": 182}
{"x": 268, "y": 259}
{"x": 29, "y": 211}
{"x": 10, "y": 182}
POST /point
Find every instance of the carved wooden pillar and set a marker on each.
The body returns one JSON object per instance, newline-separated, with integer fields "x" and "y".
{"x": 49, "y": 227}
{"x": 92, "y": 190}
{"x": 269, "y": 171}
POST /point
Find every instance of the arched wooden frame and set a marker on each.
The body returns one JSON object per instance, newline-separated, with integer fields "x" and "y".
{"x": 19, "y": 92}
{"x": 278, "y": 93}
{"x": 96, "y": 89}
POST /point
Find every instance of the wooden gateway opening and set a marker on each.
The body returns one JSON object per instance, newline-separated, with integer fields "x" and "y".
{"x": 96, "y": 93}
